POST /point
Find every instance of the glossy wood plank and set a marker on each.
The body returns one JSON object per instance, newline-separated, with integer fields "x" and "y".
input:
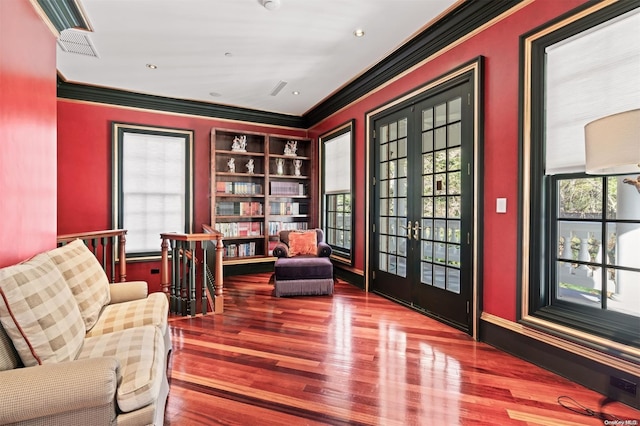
{"x": 353, "y": 359}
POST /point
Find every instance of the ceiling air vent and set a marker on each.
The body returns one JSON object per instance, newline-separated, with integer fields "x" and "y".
{"x": 74, "y": 41}
{"x": 278, "y": 88}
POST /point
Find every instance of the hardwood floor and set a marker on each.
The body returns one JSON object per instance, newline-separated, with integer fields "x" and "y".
{"x": 353, "y": 359}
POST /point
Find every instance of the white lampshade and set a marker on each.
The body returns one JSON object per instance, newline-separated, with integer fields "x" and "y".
{"x": 613, "y": 144}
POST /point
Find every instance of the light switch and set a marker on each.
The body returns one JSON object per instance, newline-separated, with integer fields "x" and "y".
{"x": 501, "y": 205}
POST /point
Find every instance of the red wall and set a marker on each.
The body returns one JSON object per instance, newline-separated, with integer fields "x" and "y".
{"x": 499, "y": 44}
{"x": 84, "y": 166}
{"x": 27, "y": 133}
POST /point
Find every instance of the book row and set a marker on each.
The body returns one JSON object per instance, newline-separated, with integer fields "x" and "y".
{"x": 288, "y": 208}
{"x": 239, "y": 208}
{"x": 239, "y": 188}
{"x": 240, "y": 229}
{"x": 287, "y": 188}
{"x": 275, "y": 227}
{"x": 240, "y": 250}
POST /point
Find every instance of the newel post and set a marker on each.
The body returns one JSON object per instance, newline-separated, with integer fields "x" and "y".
{"x": 218, "y": 303}
{"x": 164, "y": 267}
{"x": 122, "y": 256}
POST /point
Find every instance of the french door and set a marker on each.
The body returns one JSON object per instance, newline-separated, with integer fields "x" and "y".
{"x": 423, "y": 204}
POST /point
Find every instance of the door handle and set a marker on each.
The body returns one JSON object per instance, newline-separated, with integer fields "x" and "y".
{"x": 416, "y": 228}
{"x": 408, "y": 229}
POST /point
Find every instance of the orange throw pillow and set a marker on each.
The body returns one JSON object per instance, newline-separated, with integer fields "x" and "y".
{"x": 303, "y": 243}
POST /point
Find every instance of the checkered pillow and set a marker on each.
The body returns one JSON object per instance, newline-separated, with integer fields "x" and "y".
{"x": 39, "y": 313}
{"x": 85, "y": 277}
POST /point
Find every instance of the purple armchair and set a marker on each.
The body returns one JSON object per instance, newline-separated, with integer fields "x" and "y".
{"x": 302, "y": 274}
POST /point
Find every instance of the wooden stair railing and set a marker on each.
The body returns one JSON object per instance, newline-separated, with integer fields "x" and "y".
{"x": 104, "y": 244}
{"x": 178, "y": 278}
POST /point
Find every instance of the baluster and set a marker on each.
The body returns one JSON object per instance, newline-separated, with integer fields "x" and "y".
{"x": 584, "y": 250}
{"x": 94, "y": 248}
{"x": 205, "y": 277}
{"x": 192, "y": 279}
{"x": 175, "y": 277}
{"x": 104, "y": 245}
{"x": 184, "y": 281}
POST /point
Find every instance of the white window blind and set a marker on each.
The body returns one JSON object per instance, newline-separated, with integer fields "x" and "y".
{"x": 153, "y": 189}
{"x": 591, "y": 75}
{"x": 337, "y": 164}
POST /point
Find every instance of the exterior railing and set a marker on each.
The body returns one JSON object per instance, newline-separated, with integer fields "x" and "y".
{"x": 181, "y": 271}
{"x": 581, "y": 242}
{"x": 109, "y": 248}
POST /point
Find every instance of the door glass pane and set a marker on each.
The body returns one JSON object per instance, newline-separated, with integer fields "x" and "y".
{"x": 427, "y": 164}
{"x": 453, "y": 280}
{"x": 427, "y": 141}
{"x": 441, "y": 114}
{"x": 383, "y": 262}
{"x": 441, "y": 183}
{"x": 402, "y": 167}
{"x": 427, "y": 119}
{"x": 393, "y": 131}
{"x": 427, "y": 185}
{"x": 402, "y": 147}
{"x": 441, "y": 138}
{"x": 384, "y": 206}
{"x": 453, "y": 231}
{"x": 439, "y": 277}
{"x": 440, "y": 207}
{"x": 455, "y": 134}
{"x": 427, "y": 251}
{"x": 454, "y": 183}
{"x": 392, "y": 264}
{"x": 384, "y": 134}
{"x": 383, "y": 152}
{"x": 402, "y": 128}
{"x": 393, "y": 150}
{"x": 427, "y": 275}
{"x": 427, "y": 207}
{"x": 455, "y": 109}
{"x": 454, "y": 208}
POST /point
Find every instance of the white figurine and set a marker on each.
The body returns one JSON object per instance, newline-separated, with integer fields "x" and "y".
{"x": 250, "y": 166}
{"x": 297, "y": 165}
{"x": 239, "y": 144}
{"x": 231, "y": 164}
{"x": 290, "y": 148}
{"x": 280, "y": 166}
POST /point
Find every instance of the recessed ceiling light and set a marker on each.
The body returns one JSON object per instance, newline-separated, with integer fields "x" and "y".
{"x": 295, "y": 92}
{"x": 214, "y": 94}
{"x": 152, "y": 66}
{"x": 228, "y": 54}
{"x": 359, "y": 32}
{"x": 270, "y": 4}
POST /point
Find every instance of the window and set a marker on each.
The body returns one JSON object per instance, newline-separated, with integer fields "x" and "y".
{"x": 152, "y": 185}
{"x": 580, "y": 270}
{"x": 336, "y": 189}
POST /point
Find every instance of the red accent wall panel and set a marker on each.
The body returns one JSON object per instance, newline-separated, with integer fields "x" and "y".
{"x": 499, "y": 44}
{"x": 84, "y": 166}
{"x": 27, "y": 133}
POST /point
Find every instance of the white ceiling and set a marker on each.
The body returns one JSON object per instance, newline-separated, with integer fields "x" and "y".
{"x": 240, "y": 50}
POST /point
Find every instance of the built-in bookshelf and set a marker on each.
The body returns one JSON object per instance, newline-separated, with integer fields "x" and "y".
{"x": 260, "y": 184}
